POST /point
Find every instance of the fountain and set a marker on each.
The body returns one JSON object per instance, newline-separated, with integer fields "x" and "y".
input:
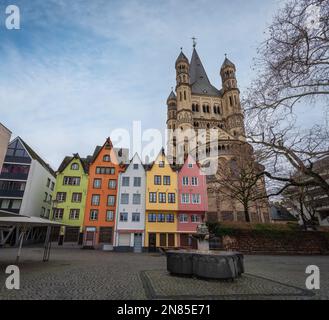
{"x": 204, "y": 263}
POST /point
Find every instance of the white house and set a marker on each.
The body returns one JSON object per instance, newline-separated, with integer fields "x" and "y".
{"x": 130, "y": 212}
{"x": 26, "y": 182}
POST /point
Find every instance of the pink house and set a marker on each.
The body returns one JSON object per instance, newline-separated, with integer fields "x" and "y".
{"x": 192, "y": 202}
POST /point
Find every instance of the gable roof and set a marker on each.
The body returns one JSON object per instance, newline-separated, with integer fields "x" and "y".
{"x": 36, "y": 157}
{"x": 199, "y": 80}
{"x": 67, "y": 160}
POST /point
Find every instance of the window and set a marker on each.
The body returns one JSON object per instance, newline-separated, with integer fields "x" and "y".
{"x": 185, "y": 181}
{"x": 195, "y": 181}
{"x": 48, "y": 213}
{"x": 185, "y": 198}
{"x": 46, "y": 197}
{"x": 107, "y": 158}
{"x": 161, "y": 217}
{"x": 105, "y": 170}
{"x": 112, "y": 184}
{"x": 137, "y": 181}
{"x": 136, "y": 166}
{"x": 166, "y": 180}
{"x": 170, "y": 218}
{"x": 10, "y": 204}
{"x": 135, "y": 217}
{"x": 136, "y": 198}
{"x": 93, "y": 216}
{"x": 72, "y": 181}
{"x": 111, "y": 200}
{"x": 124, "y": 198}
{"x": 157, "y": 180}
{"x": 183, "y": 218}
{"x": 48, "y": 182}
{"x": 74, "y": 166}
{"x": 58, "y": 213}
{"x": 52, "y": 186}
{"x": 95, "y": 199}
{"x": 50, "y": 199}
{"x": 97, "y": 183}
{"x": 161, "y": 164}
{"x": 109, "y": 215}
{"x": 196, "y": 198}
{"x": 162, "y": 197}
{"x": 123, "y": 216}
{"x": 76, "y": 197}
{"x": 152, "y": 217}
{"x": 195, "y": 218}
{"x": 190, "y": 165}
{"x": 43, "y": 212}
{"x": 125, "y": 181}
{"x": 153, "y": 197}
{"x": 171, "y": 198}
{"x": 74, "y": 214}
{"x": 61, "y": 196}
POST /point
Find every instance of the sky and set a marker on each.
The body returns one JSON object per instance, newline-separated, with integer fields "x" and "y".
{"x": 77, "y": 70}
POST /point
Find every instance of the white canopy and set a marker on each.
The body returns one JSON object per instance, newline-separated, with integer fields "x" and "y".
{"x": 27, "y": 222}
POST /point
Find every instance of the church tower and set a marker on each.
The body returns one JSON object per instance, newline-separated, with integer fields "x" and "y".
{"x": 231, "y": 96}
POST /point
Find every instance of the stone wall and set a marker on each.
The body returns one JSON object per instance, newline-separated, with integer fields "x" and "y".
{"x": 249, "y": 241}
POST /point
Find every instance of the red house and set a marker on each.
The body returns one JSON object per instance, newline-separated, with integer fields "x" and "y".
{"x": 192, "y": 202}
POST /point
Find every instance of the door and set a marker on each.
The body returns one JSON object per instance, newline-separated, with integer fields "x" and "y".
{"x": 90, "y": 237}
{"x": 138, "y": 243}
{"x": 152, "y": 242}
{"x": 184, "y": 240}
{"x": 171, "y": 240}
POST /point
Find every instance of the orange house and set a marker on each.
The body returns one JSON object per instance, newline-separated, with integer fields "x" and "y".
{"x": 101, "y": 198}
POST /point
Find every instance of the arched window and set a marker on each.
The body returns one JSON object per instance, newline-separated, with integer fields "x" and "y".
{"x": 180, "y": 96}
{"x": 197, "y": 108}
{"x": 75, "y": 166}
{"x": 193, "y": 107}
{"x": 231, "y": 102}
{"x": 184, "y": 95}
{"x": 208, "y": 109}
{"x": 106, "y": 158}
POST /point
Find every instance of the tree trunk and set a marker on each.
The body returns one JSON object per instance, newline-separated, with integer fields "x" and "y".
{"x": 246, "y": 213}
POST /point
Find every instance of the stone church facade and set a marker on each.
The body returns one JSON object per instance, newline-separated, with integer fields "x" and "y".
{"x": 197, "y": 108}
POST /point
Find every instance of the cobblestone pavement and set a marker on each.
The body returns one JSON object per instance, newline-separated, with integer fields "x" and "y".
{"x": 73, "y": 273}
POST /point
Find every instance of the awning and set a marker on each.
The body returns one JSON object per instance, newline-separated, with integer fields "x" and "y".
{"x": 24, "y": 221}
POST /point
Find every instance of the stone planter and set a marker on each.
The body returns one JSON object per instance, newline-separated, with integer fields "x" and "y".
{"x": 209, "y": 265}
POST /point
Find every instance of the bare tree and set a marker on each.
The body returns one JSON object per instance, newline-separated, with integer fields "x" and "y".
{"x": 292, "y": 71}
{"x": 240, "y": 179}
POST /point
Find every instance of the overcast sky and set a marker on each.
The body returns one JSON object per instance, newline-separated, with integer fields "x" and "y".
{"x": 79, "y": 69}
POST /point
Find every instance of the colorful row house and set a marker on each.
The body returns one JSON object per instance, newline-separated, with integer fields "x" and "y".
{"x": 70, "y": 199}
{"x": 192, "y": 202}
{"x": 99, "y": 220}
{"x": 130, "y": 214}
{"x": 161, "y": 205}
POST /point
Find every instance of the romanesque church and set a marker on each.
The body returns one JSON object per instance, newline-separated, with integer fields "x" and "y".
{"x": 197, "y": 104}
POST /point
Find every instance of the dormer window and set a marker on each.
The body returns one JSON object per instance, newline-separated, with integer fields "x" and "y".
{"x": 75, "y": 166}
{"x": 161, "y": 164}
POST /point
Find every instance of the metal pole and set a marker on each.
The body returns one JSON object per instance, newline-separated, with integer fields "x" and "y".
{"x": 21, "y": 238}
{"x": 47, "y": 246}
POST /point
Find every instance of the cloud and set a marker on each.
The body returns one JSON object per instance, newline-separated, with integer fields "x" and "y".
{"x": 79, "y": 69}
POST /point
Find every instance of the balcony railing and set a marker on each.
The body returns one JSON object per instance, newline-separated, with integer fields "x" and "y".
{"x": 12, "y": 193}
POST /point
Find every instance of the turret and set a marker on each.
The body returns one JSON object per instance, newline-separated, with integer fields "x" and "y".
{"x": 231, "y": 96}
{"x": 172, "y": 111}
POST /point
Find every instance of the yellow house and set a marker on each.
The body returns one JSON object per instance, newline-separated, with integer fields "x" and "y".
{"x": 161, "y": 205}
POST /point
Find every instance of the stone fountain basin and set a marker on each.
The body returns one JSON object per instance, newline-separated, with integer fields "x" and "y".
{"x": 205, "y": 264}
